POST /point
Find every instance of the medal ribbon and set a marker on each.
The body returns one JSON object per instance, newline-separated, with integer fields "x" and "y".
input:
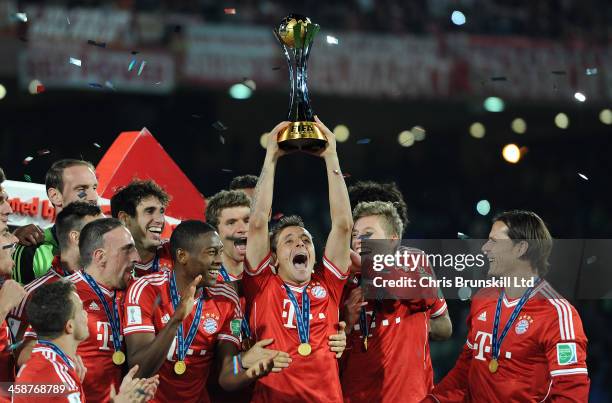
{"x": 183, "y": 344}
{"x": 57, "y": 351}
{"x": 496, "y": 343}
{"x": 112, "y": 319}
{"x": 244, "y": 324}
{"x": 155, "y": 265}
{"x": 303, "y": 315}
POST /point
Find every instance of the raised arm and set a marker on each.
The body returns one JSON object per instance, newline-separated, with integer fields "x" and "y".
{"x": 258, "y": 244}
{"x": 339, "y": 239}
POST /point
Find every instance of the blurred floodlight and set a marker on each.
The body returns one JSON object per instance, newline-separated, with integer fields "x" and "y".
{"x": 405, "y": 138}
{"x": 494, "y": 104}
{"x": 561, "y": 120}
{"x": 240, "y": 91}
{"x": 458, "y": 18}
{"x": 483, "y": 207}
{"x": 606, "y": 116}
{"x": 33, "y": 86}
{"x": 511, "y": 153}
{"x": 263, "y": 140}
{"x": 580, "y": 97}
{"x": 342, "y": 133}
{"x": 519, "y": 126}
{"x": 2, "y": 91}
{"x": 419, "y": 133}
{"x": 477, "y": 130}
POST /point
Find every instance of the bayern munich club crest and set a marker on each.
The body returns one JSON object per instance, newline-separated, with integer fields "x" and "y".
{"x": 318, "y": 292}
{"x": 523, "y": 324}
{"x": 210, "y": 324}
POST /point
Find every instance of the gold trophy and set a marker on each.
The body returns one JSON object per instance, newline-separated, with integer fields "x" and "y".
{"x": 296, "y": 35}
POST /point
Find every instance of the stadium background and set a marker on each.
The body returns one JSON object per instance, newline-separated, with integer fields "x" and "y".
{"x": 396, "y": 65}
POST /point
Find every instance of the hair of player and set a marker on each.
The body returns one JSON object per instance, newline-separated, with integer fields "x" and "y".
{"x": 528, "y": 226}
{"x": 50, "y": 307}
{"x": 367, "y": 191}
{"x": 222, "y": 200}
{"x": 287, "y": 221}
{"x": 71, "y": 219}
{"x": 92, "y": 237}
{"x": 243, "y": 182}
{"x": 55, "y": 174}
{"x": 391, "y": 221}
{"x": 129, "y": 196}
{"x": 186, "y": 235}
{"x": 2, "y": 177}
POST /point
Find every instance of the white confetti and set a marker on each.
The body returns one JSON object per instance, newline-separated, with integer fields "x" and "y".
{"x": 76, "y": 62}
{"x": 591, "y": 71}
{"x": 332, "y": 40}
{"x": 580, "y": 97}
{"x": 21, "y": 17}
{"x": 28, "y": 159}
{"x": 583, "y": 176}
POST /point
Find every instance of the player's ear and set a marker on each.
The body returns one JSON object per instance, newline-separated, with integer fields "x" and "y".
{"x": 55, "y": 196}
{"x": 521, "y": 248}
{"x": 69, "y": 326}
{"x": 123, "y": 217}
{"x": 182, "y": 256}
{"x": 99, "y": 257}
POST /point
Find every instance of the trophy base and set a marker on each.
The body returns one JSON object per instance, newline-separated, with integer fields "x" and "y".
{"x": 304, "y": 136}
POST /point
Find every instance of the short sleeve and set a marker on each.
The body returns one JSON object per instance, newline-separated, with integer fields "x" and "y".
{"x": 254, "y": 279}
{"x": 139, "y": 307}
{"x": 230, "y": 329}
{"x": 334, "y": 279}
{"x": 438, "y": 308}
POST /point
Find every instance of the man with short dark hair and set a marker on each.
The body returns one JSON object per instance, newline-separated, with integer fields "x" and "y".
{"x": 524, "y": 343}
{"x": 178, "y": 322}
{"x": 246, "y": 183}
{"x": 108, "y": 255}
{"x": 58, "y": 317}
{"x": 295, "y": 307}
{"x": 369, "y": 191}
{"x": 141, "y": 206}
{"x": 67, "y": 181}
{"x": 68, "y": 225}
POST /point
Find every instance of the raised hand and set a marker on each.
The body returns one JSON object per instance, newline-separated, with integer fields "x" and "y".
{"x": 135, "y": 390}
{"x": 272, "y": 149}
{"x": 261, "y": 368}
{"x": 330, "y": 148}
{"x": 29, "y": 235}
{"x": 185, "y": 306}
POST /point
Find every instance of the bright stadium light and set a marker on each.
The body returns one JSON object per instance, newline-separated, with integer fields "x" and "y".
{"x": 419, "y": 133}
{"x": 605, "y": 116}
{"x": 405, "y": 138}
{"x": 477, "y": 130}
{"x": 240, "y": 91}
{"x": 342, "y": 133}
{"x": 483, "y": 207}
{"x": 2, "y": 91}
{"x": 511, "y": 153}
{"x": 458, "y": 18}
{"x": 519, "y": 126}
{"x": 263, "y": 140}
{"x": 580, "y": 97}
{"x": 562, "y": 121}
{"x": 494, "y": 104}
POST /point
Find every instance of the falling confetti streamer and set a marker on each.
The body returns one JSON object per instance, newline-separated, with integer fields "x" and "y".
{"x": 97, "y": 145}
{"x": 461, "y": 235}
{"x": 222, "y": 140}
{"x": 21, "y": 17}
{"x": 583, "y": 176}
{"x": 44, "y": 152}
{"x": 27, "y": 160}
{"x": 591, "y": 71}
{"x": 364, "y": 141}
{"x": 591, "y": 260}
{"x": 95, "y": 85}
{"x": 131, "y": 66}
{"x": 158, "y": 83}
{"x": 332, "y": 40}
{"x": 98, "y": 44}
{"x": 195, "y": 116}
{"x": 110, "y": 85}
{"x": 142, "y": 64}
{"x": 68, "y": 19}
{"x": 75, "y": 61}
{"x": 226, "y": 170}
{"x": 218, "y": 125}
{"x": 229, "y": 11}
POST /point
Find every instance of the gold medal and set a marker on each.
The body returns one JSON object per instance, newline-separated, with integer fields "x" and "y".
{"x": 118, "y": 357}
{"x": 493, "y": 366}
{"x": 304, "y": 349}
{"x": 365, "y": 343}
{"x": 180, "y": 367}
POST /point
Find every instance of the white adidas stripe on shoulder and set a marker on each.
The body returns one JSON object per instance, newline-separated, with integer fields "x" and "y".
{"x": 564, "y": 312}
{"x": 75, "y": 277}
{"x": 29, "y": 289}
{"x": 226, "y": 291}
{"x": 139, "y": 285}
{"x": 571, "y": 371}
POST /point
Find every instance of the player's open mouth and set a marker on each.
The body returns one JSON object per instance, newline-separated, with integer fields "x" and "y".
{"x": 155, "y": 231}
{"x": 300, "y": 260}
{"x": 214, "y": 273}
{"x": 240, "y": 244}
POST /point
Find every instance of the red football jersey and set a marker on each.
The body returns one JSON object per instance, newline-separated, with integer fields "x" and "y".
{"x": 148, "y": 309}
{"x": 97, "y": 350}
{"x": 542, "y": 357}
{"x": 162, "y": 261}
{"x": 7, "y": 363}
{"x": 17, "y": 317}
{"x": 271, "y": 315}
{"x": 398, "y": 349}
{"x": 45, "y": 367}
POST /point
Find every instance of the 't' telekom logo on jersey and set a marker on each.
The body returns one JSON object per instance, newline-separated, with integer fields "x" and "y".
{"x": 483, "y": 343}
{"x": 289, "y": 314}
{"x": 105, "y": 335}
